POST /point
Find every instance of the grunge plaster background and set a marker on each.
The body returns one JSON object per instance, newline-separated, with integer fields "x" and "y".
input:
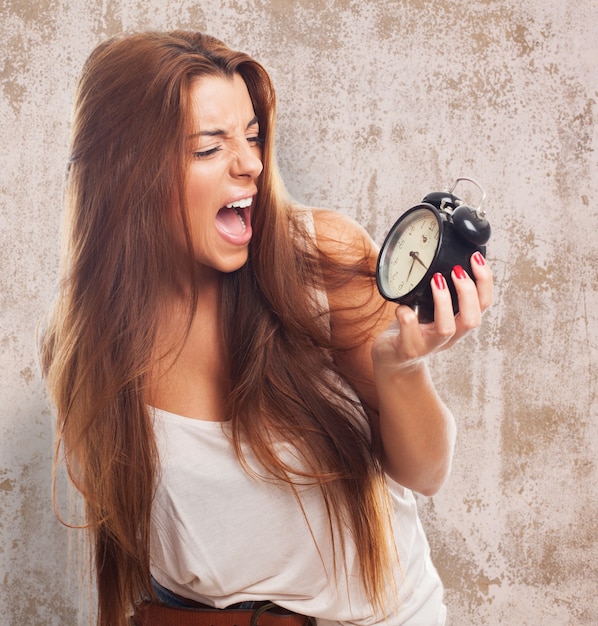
{"x": 379, "y": 103}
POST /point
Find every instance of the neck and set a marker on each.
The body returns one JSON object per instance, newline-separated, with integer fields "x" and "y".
{"x": 190, "y": 368}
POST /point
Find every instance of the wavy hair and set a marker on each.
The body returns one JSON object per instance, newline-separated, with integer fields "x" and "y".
{"x": 124, "y": 208}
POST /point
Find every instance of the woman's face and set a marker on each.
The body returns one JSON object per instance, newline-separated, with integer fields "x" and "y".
{"x": 225, "y": 148}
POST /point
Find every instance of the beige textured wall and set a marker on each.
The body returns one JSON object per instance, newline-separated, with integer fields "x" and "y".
{"x": 380, "y": 102}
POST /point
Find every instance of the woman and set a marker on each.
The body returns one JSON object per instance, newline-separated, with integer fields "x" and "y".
{"x": 243, "y": 414}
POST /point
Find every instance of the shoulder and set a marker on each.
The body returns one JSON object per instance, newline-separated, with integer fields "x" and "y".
{"x": 339, "y": 235}
{"x": 348, "y": 264}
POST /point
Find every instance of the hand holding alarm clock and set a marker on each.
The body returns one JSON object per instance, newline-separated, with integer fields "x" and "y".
{"x": 433, "y": 236}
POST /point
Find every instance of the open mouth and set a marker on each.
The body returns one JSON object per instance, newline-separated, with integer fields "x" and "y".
{"x": 234, "y": 218}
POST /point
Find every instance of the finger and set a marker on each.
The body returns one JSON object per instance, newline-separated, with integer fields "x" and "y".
{"x": 484, "y": 281}
{"x": 410, "y": 337}
{"x": 444, "y": 318}
{"x": 470, "y": 312}
{"x": 406, "y": 316}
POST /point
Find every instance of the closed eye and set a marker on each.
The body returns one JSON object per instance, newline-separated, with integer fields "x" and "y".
{"x": 202, "y": 154}
{"x": 254, "y": 140}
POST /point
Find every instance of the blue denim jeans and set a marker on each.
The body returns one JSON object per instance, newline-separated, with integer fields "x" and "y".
{"x": 168, "y": 598}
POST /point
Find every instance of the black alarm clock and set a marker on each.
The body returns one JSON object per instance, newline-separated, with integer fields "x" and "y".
{"x": 431, "y": 237}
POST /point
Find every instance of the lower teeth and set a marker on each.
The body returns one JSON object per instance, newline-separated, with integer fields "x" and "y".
{"x": 242, "y": 220}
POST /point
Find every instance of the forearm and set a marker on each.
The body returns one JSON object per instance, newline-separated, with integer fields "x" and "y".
{"x": 417, "y": 430}
{"x": 413, "y": 428}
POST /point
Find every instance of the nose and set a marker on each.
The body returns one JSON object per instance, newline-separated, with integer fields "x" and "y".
{"x": 247, "y": 161}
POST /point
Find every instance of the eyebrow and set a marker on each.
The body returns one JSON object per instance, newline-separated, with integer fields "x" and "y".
{"x": 219, "y": 133}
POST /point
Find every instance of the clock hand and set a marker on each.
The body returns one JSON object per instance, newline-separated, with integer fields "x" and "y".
{"x": 412, "y": 264}
{"x": 415, "y": 256}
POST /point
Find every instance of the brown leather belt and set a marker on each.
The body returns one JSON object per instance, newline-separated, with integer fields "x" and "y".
{"x": 266, "y": 614}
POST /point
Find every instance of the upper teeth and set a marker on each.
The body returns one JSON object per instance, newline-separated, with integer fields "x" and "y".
{"x": 240, "y": 204}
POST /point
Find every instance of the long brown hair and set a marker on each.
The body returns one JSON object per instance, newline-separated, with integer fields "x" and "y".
{"x": 126, "y": 173}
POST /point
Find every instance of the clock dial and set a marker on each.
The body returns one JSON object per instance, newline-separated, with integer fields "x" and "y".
{"x": 409, "y": 252}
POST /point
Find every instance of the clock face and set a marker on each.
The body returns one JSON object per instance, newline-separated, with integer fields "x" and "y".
{"x": 408, "y": 252}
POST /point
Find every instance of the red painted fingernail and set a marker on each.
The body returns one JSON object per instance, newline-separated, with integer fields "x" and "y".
{"x": 459, "y": 272}
{"x": 478, "y": 257}
{"x": 439, "y": 281}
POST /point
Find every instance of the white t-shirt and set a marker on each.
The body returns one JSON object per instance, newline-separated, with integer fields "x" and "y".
{"x": 221, "y": 536}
